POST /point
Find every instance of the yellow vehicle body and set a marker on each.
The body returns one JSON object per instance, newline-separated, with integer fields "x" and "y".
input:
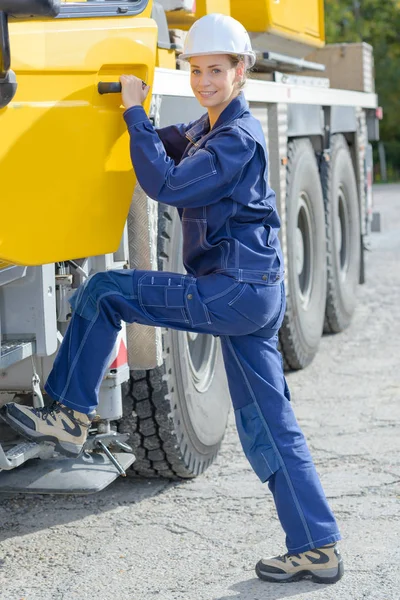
{"x": 299, "y": 21}
{"x": 67, "y": 178}
{"x": 180, "y": 19}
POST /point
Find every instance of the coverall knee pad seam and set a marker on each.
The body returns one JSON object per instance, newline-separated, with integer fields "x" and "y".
{"x": 128, "y": 296}
{"x": 268, "y": 465}
{"x": 273, "y": 444}
{"x": 111, "y": 293}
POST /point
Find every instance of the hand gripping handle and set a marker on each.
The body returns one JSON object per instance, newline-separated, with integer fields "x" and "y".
{"x": 112, "y": 87}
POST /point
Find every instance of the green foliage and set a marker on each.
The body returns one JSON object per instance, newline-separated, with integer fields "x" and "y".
{"x": 376, "y": 22}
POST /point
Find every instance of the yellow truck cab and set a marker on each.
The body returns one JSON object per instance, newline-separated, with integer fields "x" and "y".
{"x": 69, "y": 178}
{"x": 70, "y": 207}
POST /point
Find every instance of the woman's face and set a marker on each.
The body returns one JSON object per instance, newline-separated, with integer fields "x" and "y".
{"x": 214, "y": 80}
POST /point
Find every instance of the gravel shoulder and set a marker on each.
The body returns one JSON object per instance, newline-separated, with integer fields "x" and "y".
{"x": 200, "y": 540}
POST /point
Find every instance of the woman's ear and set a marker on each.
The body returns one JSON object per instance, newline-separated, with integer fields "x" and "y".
{"x": 240, "y": 72}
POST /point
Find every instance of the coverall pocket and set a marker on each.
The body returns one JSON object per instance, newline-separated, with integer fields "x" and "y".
{"x": 260, "y": 304}
{"x": 255, "y": 441}
{"x": 162, "y": 302}
{"x": 166, "y": 299}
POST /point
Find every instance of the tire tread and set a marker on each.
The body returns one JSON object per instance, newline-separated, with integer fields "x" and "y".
{"x": 294, "y": 355}
{"x": 335, "y": 321}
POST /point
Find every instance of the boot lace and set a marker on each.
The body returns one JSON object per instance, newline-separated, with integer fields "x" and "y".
{"x": 46, "y": 411}
{"x": 285, "y": 557}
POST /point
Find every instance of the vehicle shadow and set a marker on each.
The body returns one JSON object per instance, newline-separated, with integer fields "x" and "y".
{"x": 22, "y": 514}
{"x": 254, "y": 589}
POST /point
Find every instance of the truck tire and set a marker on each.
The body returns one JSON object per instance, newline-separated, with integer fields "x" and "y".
{"x": 302, "y": 326}
{"x": 343, "y": 236}
{"x": 177, "y": 413}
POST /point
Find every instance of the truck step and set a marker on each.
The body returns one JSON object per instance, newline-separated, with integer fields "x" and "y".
{"x": 84, "y": 475}
{"x": 18, "y": 454}
{"x": 13, "y": 351}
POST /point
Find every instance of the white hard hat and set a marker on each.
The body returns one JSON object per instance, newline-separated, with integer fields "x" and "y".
{"x": 218, "y": 34}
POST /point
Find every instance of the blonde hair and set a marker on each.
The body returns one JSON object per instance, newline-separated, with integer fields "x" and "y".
{"x": 235, "y": 60}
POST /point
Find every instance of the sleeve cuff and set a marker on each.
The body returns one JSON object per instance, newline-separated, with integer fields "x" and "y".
{"x": 134, "y": 115}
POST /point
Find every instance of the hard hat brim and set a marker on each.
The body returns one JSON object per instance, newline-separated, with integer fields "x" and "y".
{"x": 251, "y": 57}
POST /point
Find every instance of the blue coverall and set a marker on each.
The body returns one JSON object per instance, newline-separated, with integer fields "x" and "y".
{"x": 218, "y": 180}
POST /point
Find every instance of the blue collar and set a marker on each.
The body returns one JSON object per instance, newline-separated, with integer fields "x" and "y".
{"x": 234, "y": 110}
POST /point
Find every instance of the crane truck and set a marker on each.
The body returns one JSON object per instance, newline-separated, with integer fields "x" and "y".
{"x": 70, "y": 207}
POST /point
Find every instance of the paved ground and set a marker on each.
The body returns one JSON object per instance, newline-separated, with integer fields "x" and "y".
{"x": 200, "y": 540}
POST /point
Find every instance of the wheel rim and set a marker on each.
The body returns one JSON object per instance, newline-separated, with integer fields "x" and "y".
{"x": 202, "y": 354}
{"x": 304, "y": 259}
{"x": 343, "y": 233}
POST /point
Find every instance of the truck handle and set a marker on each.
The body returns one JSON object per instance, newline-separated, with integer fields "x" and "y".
{"x": 112, "y": 87}
{"x": 109, "y": 87}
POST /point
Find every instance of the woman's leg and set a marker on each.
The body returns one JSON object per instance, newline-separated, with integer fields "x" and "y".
{"x": 99, "y": 306}
{"x": 273, "y": 441}
{"x": 146, "y": 297}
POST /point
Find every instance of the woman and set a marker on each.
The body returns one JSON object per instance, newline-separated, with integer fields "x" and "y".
{"x": 214, "y": 171}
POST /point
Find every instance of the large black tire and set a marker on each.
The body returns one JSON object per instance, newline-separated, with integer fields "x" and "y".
{"x": 302, "y": 327}
{"x": 177, "y": 413}
{"x": 343, "y": 236}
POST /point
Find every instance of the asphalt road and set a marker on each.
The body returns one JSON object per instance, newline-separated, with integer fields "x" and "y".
{"x": 200, "y": 540}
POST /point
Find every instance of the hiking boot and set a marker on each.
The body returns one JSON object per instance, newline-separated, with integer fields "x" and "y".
{"x": 323, "y": 565}
{"x": 63, "y": 426}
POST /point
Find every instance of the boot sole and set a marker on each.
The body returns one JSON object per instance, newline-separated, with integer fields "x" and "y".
{"x": 64, "y": 448}
{"x": 321, "y": 576}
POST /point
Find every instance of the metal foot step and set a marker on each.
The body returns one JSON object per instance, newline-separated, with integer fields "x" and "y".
{"x": 13, "y": 351}
{"x": 18, "y": 454}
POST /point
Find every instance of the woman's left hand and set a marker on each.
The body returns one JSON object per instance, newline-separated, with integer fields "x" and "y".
{"x": 134, "y": 91}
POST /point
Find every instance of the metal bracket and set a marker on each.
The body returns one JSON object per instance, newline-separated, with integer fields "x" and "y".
{"x": 101, "y": 441}
{"x": 38, "y": 401}
{"x": 270, "y": 60}
{"x": 110, "y": 438}
{"x": 327, "y": 128}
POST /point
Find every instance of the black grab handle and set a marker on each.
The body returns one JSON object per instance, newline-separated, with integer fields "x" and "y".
{"x": 112, "y": 87}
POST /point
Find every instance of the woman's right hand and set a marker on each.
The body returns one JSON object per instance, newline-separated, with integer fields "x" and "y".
{"x": 134, "y": 90}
